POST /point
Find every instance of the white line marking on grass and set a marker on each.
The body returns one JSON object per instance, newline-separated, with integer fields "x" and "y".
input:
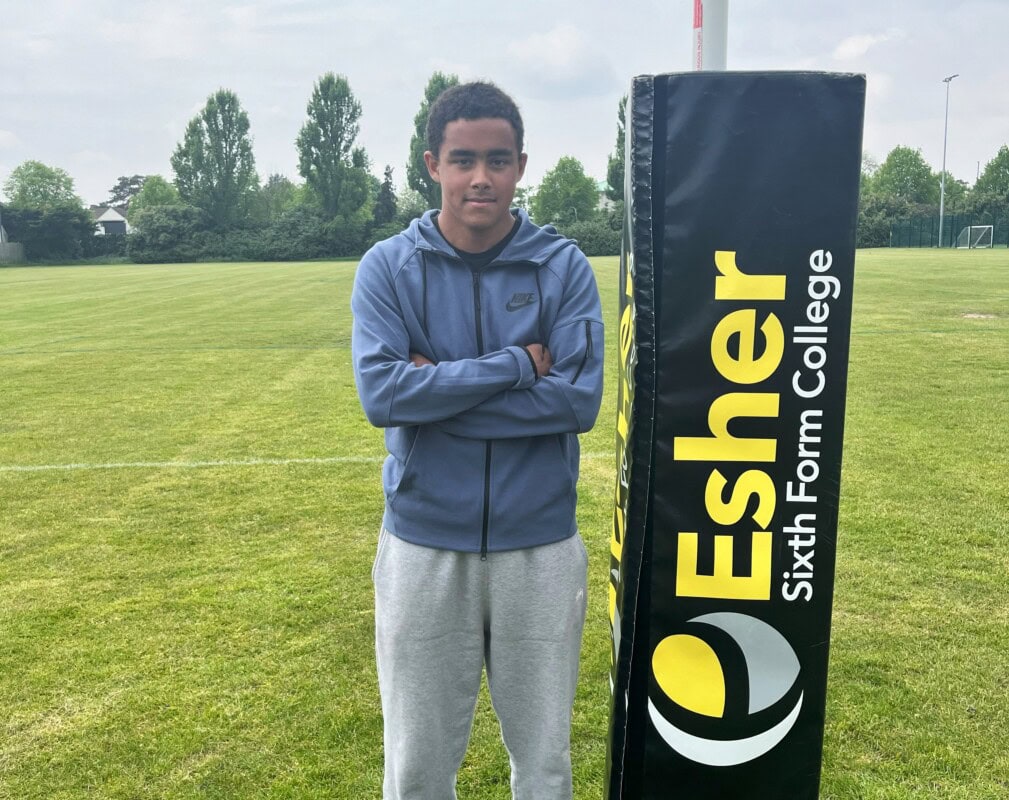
{"x": 250, "y": 462}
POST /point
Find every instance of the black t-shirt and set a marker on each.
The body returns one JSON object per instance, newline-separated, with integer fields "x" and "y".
{"x": 477, "y": 261}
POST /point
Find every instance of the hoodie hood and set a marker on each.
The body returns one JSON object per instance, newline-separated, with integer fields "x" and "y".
{"x": 530, "y": 244}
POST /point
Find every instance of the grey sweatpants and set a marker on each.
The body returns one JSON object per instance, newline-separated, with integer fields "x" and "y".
{"x": 440, "y": 617}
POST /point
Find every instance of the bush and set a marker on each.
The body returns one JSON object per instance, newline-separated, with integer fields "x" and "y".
{"x": 595, "y": 237}
{"x": 382, "y": 232}
{"x": 182, "y": 233}
{"x": 170, "y": 233}
{"x": 55, "y": 234}
{"x": 108, "y": 246}
{"x": 345, "y": 237}
{"x": 296, "y": 235}
{"x": 876, "y": 214}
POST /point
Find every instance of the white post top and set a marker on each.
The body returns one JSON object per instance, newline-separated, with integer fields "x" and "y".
{"x": 711, "y": 29}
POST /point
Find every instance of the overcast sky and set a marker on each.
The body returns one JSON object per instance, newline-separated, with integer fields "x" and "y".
{"x": 105, "y": 88}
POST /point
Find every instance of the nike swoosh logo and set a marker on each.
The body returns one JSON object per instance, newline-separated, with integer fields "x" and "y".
{"x": 513, "y": 306}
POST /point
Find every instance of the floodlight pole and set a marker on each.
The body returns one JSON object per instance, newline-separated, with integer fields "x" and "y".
{"x": 942, "y": 179}
{"x": 711, "y": 33}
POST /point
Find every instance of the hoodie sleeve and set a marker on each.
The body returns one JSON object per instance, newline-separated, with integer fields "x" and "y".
{"x": 565, "y": 401}
{"x": 393, "y": 391}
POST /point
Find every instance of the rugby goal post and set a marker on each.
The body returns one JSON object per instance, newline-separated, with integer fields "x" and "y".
{"x": 973, "y": 236}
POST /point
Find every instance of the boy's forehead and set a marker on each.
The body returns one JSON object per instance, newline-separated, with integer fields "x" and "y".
{"x": 483, "y": 134}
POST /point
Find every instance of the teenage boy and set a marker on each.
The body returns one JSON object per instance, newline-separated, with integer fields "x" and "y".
{"x": 477, "y": 345}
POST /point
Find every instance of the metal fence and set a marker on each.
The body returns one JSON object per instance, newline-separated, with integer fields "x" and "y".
{"x": 924, "y": 231}
{"x": 11, "y": 253}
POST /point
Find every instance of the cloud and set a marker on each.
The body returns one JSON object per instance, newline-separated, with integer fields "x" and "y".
{"x": 39, "y": 46}
{"x": 246, "y": 16}
{"x": 8, "y": 139}
{"x": 158, "y": 33}
{"x": 562, "y": 62}
{"x": 91, "y": 157}
{"x": 857, "y": 46}
{"x": 878, "y": 85}
{"x": 243, "y": 27}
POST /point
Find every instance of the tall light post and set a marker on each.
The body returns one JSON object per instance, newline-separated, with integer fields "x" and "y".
{"x": 942, "y": 180}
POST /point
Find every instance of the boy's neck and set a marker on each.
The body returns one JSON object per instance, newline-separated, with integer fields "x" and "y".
{"x": 469, "y": 240}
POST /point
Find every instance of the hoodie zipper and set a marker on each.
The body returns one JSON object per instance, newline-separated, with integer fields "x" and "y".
{"x": 588, "y": 352}
{"x": 487, "y": 447}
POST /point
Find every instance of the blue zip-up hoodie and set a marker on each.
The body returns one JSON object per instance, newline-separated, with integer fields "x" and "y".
{"x": 483, "y": 456}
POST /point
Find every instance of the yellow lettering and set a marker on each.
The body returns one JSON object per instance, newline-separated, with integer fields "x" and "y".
{"x": 722, "y": 445}
{"x": 626, "y": 335}
{"x": 735, "y": 285}
{"x": 622, "y": 426}
{"x": 750, "y": 483}
{"x": 723, "y": 584}
{"x": 745, "y": 368}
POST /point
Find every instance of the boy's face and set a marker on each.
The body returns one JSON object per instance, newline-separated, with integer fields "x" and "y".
{"x": 478, "y": 168}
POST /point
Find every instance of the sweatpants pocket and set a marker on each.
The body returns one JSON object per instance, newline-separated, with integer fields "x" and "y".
{"x": 383, "y": 536}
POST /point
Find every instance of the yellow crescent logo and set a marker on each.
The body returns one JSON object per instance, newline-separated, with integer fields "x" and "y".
{"x": 690, "y": 673}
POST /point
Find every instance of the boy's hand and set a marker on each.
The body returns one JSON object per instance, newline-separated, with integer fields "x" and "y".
{"x": 541, "y": 358}
{"x": 420, "y": 361}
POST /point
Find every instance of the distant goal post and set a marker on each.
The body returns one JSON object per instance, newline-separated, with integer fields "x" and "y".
{"x": 975, "y": 236}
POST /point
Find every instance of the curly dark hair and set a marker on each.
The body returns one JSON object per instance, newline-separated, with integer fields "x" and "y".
{"x": 477, "y": 100}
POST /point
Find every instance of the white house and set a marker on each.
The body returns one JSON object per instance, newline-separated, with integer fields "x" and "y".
{"x": 110, "y": 220}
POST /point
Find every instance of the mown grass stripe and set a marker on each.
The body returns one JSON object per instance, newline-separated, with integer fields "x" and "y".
{"x": 246, "y": 462}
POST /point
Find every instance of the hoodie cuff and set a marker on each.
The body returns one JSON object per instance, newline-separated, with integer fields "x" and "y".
{"x": 527, "y": 367}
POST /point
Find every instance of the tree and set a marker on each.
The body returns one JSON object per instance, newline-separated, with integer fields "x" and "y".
{"x": 615, "y": 167}
{"x": 125, "y": 190}
{"x": 955, "y": 199}
{"x": 417, "y": 176}
{"x": 905, "y": 175}
{"x": 275, "y": 197}
{"x": 876, "y": 213}
{"x": 566, "y": 194}
{"x": 156, "y": 191}
{"x": 995, "y": 178}
{"x": 870, "y": 164}
{"x": 214, "y": 167}
{"x": 869, "y": 168}
{"x": 523, "y": 198}
{"x": 360, "y": 187}
{"x": 32, "y": 184}
{"x": 332, "y": 167}
{"x": 385, "y": 205}
{"x": 410, "y": 204}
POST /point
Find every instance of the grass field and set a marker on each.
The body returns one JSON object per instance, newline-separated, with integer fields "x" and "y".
{"x": 189, "y": 504}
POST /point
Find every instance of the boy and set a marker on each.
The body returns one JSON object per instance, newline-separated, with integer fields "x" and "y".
{"x": 477, "y": 345}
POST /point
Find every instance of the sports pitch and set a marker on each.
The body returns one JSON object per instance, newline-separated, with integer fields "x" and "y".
{"x": 190, "y": 498}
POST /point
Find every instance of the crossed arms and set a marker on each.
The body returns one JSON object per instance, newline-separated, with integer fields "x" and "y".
{"x": 537, "y": 389}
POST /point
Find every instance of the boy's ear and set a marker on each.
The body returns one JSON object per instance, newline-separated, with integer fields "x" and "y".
{"x": 523, "y": 157}
{"x": 431, "y": 162}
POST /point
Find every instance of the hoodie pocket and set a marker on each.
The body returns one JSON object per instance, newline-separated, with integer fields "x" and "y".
{"x": 533, "y": 494}
{"x": 441, "y": 483}
{"x": 587, "y": 351}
